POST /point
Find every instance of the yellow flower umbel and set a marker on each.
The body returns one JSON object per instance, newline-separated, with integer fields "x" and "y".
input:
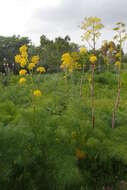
{"x": 24, "y": 55}
{"x": 37, "y": 93}
{"x": 83, "y": 50}
{"x": 31, "y": 66}
{"x": 18, "y": 58}
{"x": 93, "y": 59}
{"x": 23, "y": 49}
{"x": 23, "y": 62}
{"x": 66, "y": 61}
{"x": 22, "y": 80}
{"x": 35, "y": 59}
{"x": 22, "y": 58}
{"x": 41, "y": 70}
{"x": 70, "y": 62}
{"x": 22, "y": 72}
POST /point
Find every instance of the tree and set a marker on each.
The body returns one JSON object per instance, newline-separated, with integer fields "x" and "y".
{"x": 50, "y": 51}
{"x": 8, "y": 49}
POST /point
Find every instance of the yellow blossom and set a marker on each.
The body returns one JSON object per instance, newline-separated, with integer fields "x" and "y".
{"x": 35, "y": 59}
{"x": 93, "y": 59}
{"x": 22, "y": 72}
{"x": 83, "y": 50}
{"x": 70, "y": 62}
{"x": 18, "y": 58}
{"x": 41, "y": 70}
{"x": 23, "y": 62}
{"x": 66, "y": 61}
{"x": 24, "y": 55}
{"x": 37, "y": 93}
{"x": 22, "y": 80}
{"x": 23, "y": 49}
{"x": 31, "y": 66}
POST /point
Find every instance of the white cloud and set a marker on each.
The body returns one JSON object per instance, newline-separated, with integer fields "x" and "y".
{"x": 53, "y": 18}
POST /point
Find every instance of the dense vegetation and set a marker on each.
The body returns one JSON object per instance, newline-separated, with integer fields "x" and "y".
{"x": 65, "y": 130}
{"x": 54, "y": 145}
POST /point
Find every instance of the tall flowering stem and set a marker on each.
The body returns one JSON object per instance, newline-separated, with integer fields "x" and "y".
{"x": 116, "y": 103}
{"x": 93, "y": 59}
{"x": 120, "y": 37}
{"x": 92, "y": 27}
{"x": 27, "y": 66}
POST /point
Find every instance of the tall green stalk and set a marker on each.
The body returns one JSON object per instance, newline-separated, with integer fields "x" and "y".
{"x": 120, "y": 38}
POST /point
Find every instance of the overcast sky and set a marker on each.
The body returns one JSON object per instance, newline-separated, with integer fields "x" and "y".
{"x": 53, "y": 18}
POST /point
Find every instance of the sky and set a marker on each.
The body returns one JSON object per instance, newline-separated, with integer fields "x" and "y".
{"x": 55, "y": 18}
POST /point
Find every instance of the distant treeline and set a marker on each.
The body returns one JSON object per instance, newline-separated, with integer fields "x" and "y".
{"x": 49, "y": 51}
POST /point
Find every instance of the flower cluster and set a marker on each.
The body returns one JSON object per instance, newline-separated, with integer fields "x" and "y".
{"x": 22, "y": 58}
{"x": 22, "y": 72}
{"x": 93, "y": 59}
{"x": 22, "y": 80}
{"x": 33, "y": 63}
{"x": 31, "y": 66}
{"x": 41, "y": 70}
{"x": 28, "y": 67}
{"x": 70, "y": 62}
{"x": 37, "y": 93}
{"x": 35, "y": 59}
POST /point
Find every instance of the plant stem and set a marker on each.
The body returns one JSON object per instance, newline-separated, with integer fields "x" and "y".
{"x": 118, "y": 91}
{"x": 92, "y": 95}
{"x": 116, "y": 103}
{"x": 81, "y": 82}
